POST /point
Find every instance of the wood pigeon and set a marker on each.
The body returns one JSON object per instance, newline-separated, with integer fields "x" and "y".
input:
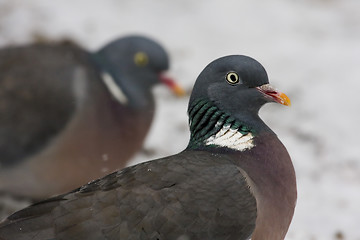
{"x": 235, "y": 179}
{"x": 68, "y": 116}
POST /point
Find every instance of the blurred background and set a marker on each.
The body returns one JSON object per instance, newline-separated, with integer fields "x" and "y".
{"x": 311, "y": 50}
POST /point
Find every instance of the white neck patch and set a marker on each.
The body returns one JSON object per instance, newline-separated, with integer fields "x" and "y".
{"x": 114, "y": 88}
{"x": 231, "y": 138}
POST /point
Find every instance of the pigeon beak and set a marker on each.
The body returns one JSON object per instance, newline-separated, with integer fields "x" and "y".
{"x": 177, "y": 90}
{"x": 274, "y": 94}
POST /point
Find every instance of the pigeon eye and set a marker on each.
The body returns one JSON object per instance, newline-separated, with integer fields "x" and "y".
{"x": 232, "y": 78}
{"x": 141, "y": 59}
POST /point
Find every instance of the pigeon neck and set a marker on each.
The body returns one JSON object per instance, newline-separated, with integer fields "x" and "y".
{"x": 121, "y": 88}
{"x": 212, "y": 128}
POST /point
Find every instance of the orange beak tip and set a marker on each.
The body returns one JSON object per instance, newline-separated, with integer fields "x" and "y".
{"x": 179, "y": 91}
{"x": 285, "y": 100}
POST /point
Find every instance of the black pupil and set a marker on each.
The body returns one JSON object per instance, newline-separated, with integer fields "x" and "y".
{"x": 233, "y": 77}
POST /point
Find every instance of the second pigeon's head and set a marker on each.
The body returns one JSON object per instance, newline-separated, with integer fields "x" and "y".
{"x": 136, "y": 64}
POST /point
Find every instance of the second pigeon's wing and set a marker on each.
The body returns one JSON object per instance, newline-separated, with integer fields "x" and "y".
{"x": 37, "y": 96}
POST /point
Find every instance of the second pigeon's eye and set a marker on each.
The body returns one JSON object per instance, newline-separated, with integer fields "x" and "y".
{"x": 232, "y": 78}
{"x": 141, "y": 59}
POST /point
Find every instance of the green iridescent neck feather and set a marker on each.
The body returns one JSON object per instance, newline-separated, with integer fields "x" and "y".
{"x": 206, "y": 120}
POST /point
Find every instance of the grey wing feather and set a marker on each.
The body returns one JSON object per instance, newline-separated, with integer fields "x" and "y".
{"x": 186, "y": 197}
{"x": 36, "y": 97}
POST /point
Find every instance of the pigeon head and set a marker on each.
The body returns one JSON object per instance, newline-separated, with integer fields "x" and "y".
{"x": 228, "y": 94}
{"x": 134, "y": 64}
{"x": 236, "y": 83}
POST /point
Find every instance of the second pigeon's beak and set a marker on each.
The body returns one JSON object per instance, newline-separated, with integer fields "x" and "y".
{"x": 177, "y": 90}
{"x": 274, "y": 94}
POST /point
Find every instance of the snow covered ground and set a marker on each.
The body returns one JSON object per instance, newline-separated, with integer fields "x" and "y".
{"x": 311, "y": 50}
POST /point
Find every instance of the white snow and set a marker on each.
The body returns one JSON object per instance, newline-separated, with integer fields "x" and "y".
{"x": 311, "y": 50}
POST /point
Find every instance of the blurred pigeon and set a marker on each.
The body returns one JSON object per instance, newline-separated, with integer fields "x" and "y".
{"x": 68, "y": 116}
{"x": 235, "y": 180}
